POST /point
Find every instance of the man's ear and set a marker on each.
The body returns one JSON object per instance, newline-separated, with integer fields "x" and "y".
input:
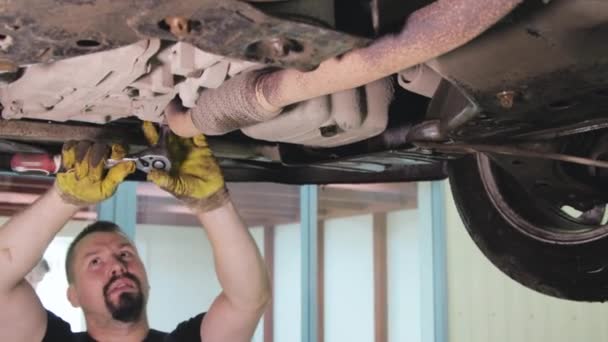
{"x": 72, "y": 296}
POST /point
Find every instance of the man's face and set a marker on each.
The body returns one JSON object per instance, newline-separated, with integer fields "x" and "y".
{"x": 109, "y": 277}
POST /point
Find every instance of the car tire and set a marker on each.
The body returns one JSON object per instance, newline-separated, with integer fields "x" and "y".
{"x": 576, "y": 270}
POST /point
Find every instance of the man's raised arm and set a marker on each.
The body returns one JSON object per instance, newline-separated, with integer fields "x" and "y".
{"x": 23, "y": 240}
{"x": 197, "y": 180}
{"x": 242, "y": 274}
{"x": 25, "y": 237}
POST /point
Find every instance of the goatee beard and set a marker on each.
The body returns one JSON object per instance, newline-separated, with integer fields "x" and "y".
{"x": 130, "y": 305}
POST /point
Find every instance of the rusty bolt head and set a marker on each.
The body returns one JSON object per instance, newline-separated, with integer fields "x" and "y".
{"x": 506, "y": 98}
{"x": 278, "y": 47}
{"x": 179, "y": 26}
{"x": 275, "y": 49}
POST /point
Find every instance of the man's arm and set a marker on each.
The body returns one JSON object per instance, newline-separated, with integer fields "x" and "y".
{"x": 23, "y": 240}
{"x": 242, "y": 274}
{"x": 198, "y": 181}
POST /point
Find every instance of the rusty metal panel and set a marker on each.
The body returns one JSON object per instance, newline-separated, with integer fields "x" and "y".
{"x": 33, "y": 31}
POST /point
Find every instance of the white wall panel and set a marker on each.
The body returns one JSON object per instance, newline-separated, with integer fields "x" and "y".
{"x": 403, "y": 259}
{"x": 287, "y": 283}
{"x": 179, "y": 262}
{"x": 485, "y": 305}
{"x": 349, "y": 280}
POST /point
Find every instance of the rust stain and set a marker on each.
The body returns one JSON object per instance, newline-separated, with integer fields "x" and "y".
{"x": 50, "y": 36}
{"x": 8, "y": 66}
{"x": 506, "y": 98}
{"x": 437, "y": 29}
{"x": 429, "y": 32}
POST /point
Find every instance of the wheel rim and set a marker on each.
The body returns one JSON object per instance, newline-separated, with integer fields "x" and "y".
{"x": 552, "y": 225}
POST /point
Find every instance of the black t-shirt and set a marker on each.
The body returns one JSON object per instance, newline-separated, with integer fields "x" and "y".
{"x": 59, "y": 330}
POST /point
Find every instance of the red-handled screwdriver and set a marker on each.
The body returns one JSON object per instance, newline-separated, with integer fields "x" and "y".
{"x": 46, "y": 164}
{"x": 36, "y": 163}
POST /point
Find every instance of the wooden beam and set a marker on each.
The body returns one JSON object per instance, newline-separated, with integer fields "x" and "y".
{"x": 260, "y": 204}
{"x": 380, "y": 279}
{"x": 269, "y": 259}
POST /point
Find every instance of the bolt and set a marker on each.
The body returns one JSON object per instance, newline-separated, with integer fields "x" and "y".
{"x": 506, "y": 98}
{"x": 179, "y": 26}
{"x": 279, "y": 47}
{"x": 272, "y": 49}
{"x": 158, "y": 164}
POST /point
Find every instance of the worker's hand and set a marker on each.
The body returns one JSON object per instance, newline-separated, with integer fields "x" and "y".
{"x": 85, "y": 180}
{"x": 195, "y": 177}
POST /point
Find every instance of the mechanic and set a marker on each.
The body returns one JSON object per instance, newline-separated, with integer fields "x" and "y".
{"x": 105, "y": 273}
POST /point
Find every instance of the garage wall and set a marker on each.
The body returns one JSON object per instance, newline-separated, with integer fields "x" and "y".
{"x": 349, "y": 280}
{"x": 52, "y": 290}
{"x": 403, "y": 259}
{"x": 485, "y": 305}
{"x": 180, "y": 268}
{"x": 348, "y": 264}
{"x": 287, "y": 283}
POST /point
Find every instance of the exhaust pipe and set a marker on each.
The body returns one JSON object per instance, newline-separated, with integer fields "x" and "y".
{"x": 259, "y": 96}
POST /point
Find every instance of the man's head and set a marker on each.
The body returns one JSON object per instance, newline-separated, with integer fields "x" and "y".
{"x": 105, "y": 273}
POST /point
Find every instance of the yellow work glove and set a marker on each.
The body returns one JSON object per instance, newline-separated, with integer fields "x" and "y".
{"x": 85, "y": 180}
{"x": 195, "y": 177}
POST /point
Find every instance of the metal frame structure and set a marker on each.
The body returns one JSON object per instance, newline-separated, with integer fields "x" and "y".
{"x": 310, "y": 291}
{"x": 433, "y": 272}
{"x": 431, "y": 219}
